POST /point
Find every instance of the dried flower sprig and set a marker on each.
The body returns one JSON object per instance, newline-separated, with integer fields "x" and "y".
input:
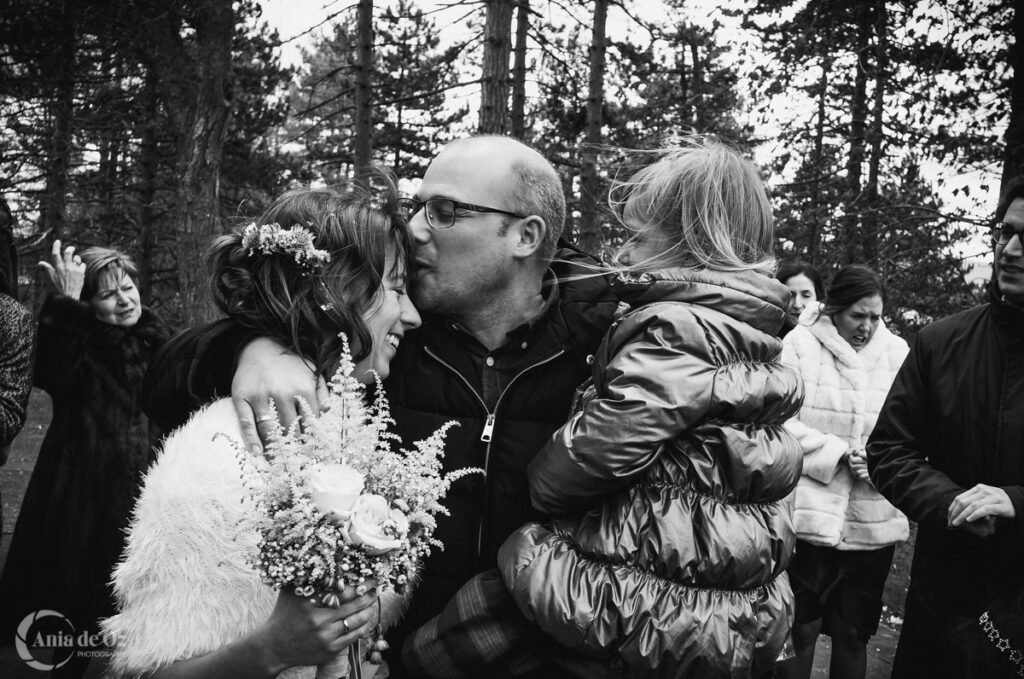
{"x": 297, "y": 242}
{"x": 382, "y": 528}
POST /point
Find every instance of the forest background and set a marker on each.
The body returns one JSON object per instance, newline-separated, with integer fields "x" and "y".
{"x": 884, "y": 128}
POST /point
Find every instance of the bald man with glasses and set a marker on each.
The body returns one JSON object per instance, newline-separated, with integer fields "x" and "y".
{"x": 948, "y": 451}
{"x": 510, "y": 312}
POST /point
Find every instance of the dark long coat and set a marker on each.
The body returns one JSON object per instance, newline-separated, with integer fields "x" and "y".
{"x": 955, "y": 418}
{"x": 70, "y": 529}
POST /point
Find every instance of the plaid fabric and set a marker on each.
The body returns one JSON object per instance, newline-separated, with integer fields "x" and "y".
{"x": 480, "y": 631}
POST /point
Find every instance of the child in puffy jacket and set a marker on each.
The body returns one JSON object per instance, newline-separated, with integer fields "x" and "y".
{"x": 670, "y": 487}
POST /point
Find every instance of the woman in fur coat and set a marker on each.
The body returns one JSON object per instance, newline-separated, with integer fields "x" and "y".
{"x": 317, "y": 266}
{"x": 95, "y": 341}
{"x": 846, "y": 531}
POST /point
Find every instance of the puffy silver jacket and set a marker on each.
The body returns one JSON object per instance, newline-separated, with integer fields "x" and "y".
{"x": 674, "y": 476}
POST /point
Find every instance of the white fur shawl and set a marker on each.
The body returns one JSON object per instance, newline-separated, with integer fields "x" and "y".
{"x": 843, "y": 393}
{"x": 184, "y": 587}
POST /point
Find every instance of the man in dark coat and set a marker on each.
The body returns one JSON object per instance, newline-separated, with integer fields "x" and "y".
{"x": 510, "y": 315}
{"x": 948, "y": 450}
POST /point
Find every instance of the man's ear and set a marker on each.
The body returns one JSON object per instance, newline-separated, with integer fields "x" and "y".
{"x": 527, "y": 236}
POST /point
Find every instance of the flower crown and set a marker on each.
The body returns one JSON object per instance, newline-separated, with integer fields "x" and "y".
{"x": 271, "y": 239}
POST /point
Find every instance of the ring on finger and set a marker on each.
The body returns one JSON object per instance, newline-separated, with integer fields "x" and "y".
{"x": 344, "y": 623}
{"x": 263, "y": 418}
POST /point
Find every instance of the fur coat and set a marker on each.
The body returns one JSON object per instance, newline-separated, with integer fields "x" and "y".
{"x": 184, "y": 586}
{"x": 844, "y": 392}
{"x": 17, "y": 346}
{"x": 99, "y": 443}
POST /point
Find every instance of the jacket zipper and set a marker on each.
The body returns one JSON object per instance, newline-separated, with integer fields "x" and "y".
{"x": 492, "y": 416}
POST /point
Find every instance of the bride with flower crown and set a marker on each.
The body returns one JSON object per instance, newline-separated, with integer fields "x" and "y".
{"x": 190, "y": 602}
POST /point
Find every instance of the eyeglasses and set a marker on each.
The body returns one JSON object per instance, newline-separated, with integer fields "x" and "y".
{"x": 441, "y": 211}
{"x": 1003, "y": 233}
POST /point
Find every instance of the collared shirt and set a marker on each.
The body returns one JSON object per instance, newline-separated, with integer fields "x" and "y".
{"x": 490, "y": 372}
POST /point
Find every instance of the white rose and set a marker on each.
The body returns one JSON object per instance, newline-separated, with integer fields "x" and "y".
{"x": 375, "y": 526}
{"x": 335, "y": 489}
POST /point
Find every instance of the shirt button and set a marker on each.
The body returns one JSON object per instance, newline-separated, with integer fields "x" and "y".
{"x": 590, "y": 359}
{"x": 523, "y": 345}
{"x": 490, "y": 361}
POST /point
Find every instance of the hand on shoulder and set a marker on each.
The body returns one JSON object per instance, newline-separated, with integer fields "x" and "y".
{"x": 268, "y": 372}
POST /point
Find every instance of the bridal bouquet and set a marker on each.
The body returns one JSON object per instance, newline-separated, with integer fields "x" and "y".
{"x": 337, "y": 503}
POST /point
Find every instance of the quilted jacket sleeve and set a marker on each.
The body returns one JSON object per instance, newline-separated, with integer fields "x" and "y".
{"x": 653, "y": 379}
{"x": 823, "y": 452}
{"x": 897, "y": 463}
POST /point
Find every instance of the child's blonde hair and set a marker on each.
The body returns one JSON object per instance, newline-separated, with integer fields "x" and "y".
{"x": 704, "y": 198}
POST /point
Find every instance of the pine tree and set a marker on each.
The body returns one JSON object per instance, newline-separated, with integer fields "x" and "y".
{"x": 884, "y": 97}
{"x": 411, "y": 75}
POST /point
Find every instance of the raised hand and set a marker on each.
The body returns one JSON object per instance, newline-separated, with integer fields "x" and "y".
{"x": 66, "y": 274}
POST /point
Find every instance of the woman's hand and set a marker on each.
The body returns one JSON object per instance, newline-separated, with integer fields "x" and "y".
{"x": 858, "y": 462}
{"x": 269, "y": 372}
{"x": 301, "y": 633}
{"x": 67, "y": 273}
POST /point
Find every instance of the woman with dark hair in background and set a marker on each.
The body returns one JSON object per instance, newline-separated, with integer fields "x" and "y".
{"x": 95, "y": 341}
{"x": 846, "y": 531}
{"x": 804, "y": 282}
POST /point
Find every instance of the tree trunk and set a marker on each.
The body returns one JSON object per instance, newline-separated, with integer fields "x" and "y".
{"x": 519, "y": 70}
{"x": 1013, "y": 165}
{"x": 697, "y": 85}
{"x": 197, "y": 95}
{"x": 363, "y": 111}
{"x": 109, "y": 145}
{"x": 148, "y": 164}
{"x": 685, "y": 110}
{"x": 869, "y": 236}
{"x": 398, "y": 165}
{"x": 202, "y": 152}
{"x": 858, "y": 125}
{"x": 590, "y": 185}
{"x": 815, "y": 210}
{"x": 53, "y": 206}
{"x": 494, "y": 80}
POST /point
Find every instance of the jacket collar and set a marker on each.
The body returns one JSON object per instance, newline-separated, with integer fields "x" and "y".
{"x": 746, "y": 296}
{"x": 821, "y": 326}
{"x": 543, "y": 333}
{"x": 577, "y": 310}
{"x": 1008, "y": 317}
